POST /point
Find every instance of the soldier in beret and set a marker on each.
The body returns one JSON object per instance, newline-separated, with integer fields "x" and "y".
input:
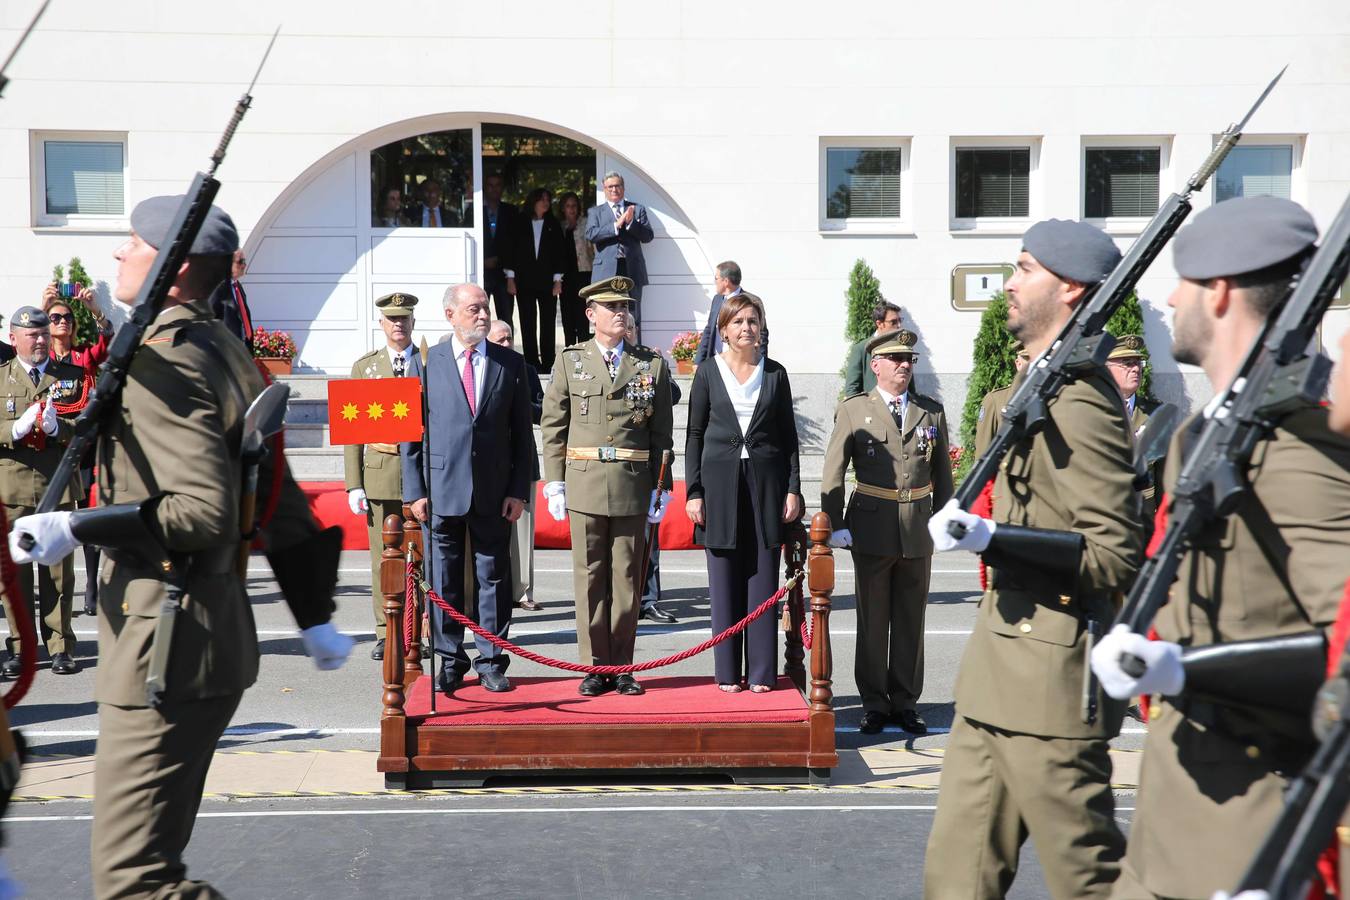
{"x": 1126, "y": 365}
{"x": 896, "y": 441}
{"x": 168, "y": 518}
{"x": 1213, "y": 775}
{"x": 1065, "y": 538}
{"x": 373, "y": 472}
{"x": 33, "y": 437}
{"x": 607, "y": 418}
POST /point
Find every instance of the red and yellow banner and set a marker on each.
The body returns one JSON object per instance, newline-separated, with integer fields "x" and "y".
{"x": 374, "y": 410}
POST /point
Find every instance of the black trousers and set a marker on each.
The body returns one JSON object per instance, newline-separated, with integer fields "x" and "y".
{"x": 538, "y": 313}
{"x": 494, "y": 285}
{"x": 490, "y": 537}
{"x": 576, "y": 328}
{"x": 739, "y": 580}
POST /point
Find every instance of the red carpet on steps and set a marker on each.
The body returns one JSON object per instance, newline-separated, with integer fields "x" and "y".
{"x": 555, "y": 701}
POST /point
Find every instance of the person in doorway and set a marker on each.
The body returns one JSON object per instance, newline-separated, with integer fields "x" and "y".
{"x": 390, "y": 213}
{"x": 618, "y": 228}
{"x": 577, "y": 260}
{"x": 535, "y": 276}
{"x": 499, "y": 225}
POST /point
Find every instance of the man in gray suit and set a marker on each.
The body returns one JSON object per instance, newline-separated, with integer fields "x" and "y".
{"x": 618, "y": 228}
{"x": 727, "y": 283}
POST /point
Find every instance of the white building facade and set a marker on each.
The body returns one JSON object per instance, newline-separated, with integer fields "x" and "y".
{"x": 791, "y": 137}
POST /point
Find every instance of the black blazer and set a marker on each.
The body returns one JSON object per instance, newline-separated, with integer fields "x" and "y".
{"x": 535, "y": 272}
{"x": 497, "y": 244}
{"x": 712, "y": 454}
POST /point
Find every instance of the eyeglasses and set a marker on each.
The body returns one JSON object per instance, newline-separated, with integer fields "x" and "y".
{"x": 1126, "y": 363}
{"x": 61, "y": 317}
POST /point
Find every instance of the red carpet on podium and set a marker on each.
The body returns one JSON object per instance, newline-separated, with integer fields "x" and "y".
{"x": 555, "y": 701}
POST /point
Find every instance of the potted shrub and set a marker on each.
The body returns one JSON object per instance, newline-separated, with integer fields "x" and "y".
{"x": 683, "y": 349}
{"x": 274, "y": 350}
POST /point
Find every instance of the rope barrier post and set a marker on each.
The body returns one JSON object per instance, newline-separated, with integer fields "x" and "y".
{"x": 393, "y": 584}
{"x": 412, "y": 612}
{"x": 794, "y": 561}
{"x": 820, "y": 581}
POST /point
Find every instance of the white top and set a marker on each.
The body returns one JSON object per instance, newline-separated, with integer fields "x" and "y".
{"x": 904, "y": 401}
{"x": 744, "y": 397}
{"x": 479, "y": 368}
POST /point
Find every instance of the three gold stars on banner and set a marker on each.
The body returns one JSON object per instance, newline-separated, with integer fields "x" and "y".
{"x": 374, "y": 411}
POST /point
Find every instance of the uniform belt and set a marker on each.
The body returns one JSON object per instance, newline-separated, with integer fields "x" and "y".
{"x": 384, "y": 448}
{"x": 900, "y": 495}
{"x": 607, "y": 454}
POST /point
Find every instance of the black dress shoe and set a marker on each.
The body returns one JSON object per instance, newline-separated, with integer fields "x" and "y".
{"x": 377, "y": 652}
{"x": 90, "y": 609}
{"x": 872, "y": 722}
{"x": 496, "y": 682}
{"x": 628, "y": 685}
{"x": 654, "y": 612}
{"x": 12, "y": 666}
{"x": 62, "y": 664}
{"x": 594, "y": 686}
{"x": 448, "y": 681}
{"x": 911, "y": 721}
{"x": 528, "y": 604}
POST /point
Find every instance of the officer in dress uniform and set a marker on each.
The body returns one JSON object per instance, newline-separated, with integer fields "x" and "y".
{"x": 1214, "y": 774}
{"x": 168, "y": 518}
{"x": 373, "y": 472}
{"x": 896, "y": 441}
{"x": 1126, "y": 365}
{"x": 33, "y": 437}
{"x": 1027, "y": 755}
{"x": 607, "y": 420}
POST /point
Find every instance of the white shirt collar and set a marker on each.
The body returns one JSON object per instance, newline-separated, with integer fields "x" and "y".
{"x": 459, "y": 348}
{"x": 733, "y": 292}
{"x": 890, "y": 398}
{"x": 28, "y": 370}
{"x": 1130, "y": 402}
{"x": 618, "y": 348}
{"x": 406, "y": 353}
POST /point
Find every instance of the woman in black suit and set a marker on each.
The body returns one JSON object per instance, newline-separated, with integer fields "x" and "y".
{"x": 537, "y": 262}
{"x": 744, "y": 482}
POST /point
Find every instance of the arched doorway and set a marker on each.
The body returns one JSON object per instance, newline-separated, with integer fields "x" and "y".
{"x": 320, "y": 255}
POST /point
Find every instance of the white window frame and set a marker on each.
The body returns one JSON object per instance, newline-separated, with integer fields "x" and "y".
{"x": 901, "y": 224}
{"x": 1297, "y": 186}
{"x": 38, "y": 183}
{"x": 996, "y": 224}
{"x": 1124, "y": 224}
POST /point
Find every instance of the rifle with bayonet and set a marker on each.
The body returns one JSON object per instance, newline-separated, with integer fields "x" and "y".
{"x": 1083, "y": 343}
{"x": 23, "y": 37}
{"x": 1277, "y": 375}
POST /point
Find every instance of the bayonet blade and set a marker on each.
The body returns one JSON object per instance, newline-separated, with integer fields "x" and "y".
{"x": 23, "y": 37}
{"x": 268, "y": 52}
{"x": 1262, "y": 99}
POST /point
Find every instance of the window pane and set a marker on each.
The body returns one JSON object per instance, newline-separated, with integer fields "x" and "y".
{"x": 1121, "y": 181}
{"x": 862, "y": 182}
{"x": 436, "y": 167}
{"x": 84, "y": 177}
{"x": 1254, "y": 172}
{"x": 993, "y": 182}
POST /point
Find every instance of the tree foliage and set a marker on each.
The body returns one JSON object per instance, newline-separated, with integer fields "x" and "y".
{"x": 864, "y": 293}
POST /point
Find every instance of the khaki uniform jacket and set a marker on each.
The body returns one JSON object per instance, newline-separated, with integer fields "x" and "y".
{"x": 378, "y": 473}
{"x": 1277, "y": 566}
{"x": 991, "y": 417}
{"x": 176, "y": 437}
{"x": 24, "y": 470}
{"x": 583, "y": 409}
{"x": 885, "y": 455}
{"x": 1023, "y": 667}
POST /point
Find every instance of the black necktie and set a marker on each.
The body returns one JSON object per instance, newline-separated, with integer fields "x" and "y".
{"x": 34, "y": 374}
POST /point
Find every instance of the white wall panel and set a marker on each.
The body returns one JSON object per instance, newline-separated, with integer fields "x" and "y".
{"x": 284, "y": 254}
{"x": 329, "y": 201}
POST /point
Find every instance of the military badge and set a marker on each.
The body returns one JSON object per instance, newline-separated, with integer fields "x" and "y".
{"x": 639, "y": 393}
{"x": 9, "y": 405}
{"x": 926, "y": 438}
{"x": 585, "y": 406}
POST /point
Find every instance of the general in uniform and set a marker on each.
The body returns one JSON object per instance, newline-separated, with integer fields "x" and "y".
{"x": 1213, "y": 775}
{"x": 33, "y": 437}
{"x": 1126, "y": 365}
{"x": 373, "y": 472}
{"x": 1024, "y": 757}
{"x": 607, "y": 420}
{"x": 168, "y": 516}
{"x": 896, "y": 441}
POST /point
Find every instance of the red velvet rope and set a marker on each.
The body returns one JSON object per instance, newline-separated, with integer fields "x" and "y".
{"x": 596, "y": 670}
{"x": 23, "y": 618}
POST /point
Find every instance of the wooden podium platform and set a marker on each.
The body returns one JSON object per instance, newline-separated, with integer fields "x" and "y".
{"x": 543, "y": 727}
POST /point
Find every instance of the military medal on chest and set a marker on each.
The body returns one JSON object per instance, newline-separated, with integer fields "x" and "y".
{"x": 926, "y": 437}
{"x": 639, "y": 393}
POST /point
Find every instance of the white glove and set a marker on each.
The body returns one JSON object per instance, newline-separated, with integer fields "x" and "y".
{"x": 1163, "y": 675}
{"x": 49, "y": 418}
{"x": 841, "y": 538}
{"x": 655, "y": 515}
{"x": 357, "y": 503}
{"x": 1245, "y": 895}
{"x": 978, "y": 531}
{"x": 556, "y": 494}
{"x": 52, "y": 540}
{"x": 25, "y": 422}
{"x": 327, "y": 646}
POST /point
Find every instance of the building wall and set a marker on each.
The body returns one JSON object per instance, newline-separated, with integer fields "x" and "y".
{"x": 723, "y": 106}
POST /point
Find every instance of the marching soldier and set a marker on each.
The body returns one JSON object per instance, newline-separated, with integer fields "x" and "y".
{"x": 1027, "y": 755}
{"x": 1126, "y": 365}
{"x": 374, "y": 471}
{"x": 991, "y": 407}
{"x": 168, "y": 517}
{"x": 1213, "y": 775}
{"x": 607, "y": 420}
{"x": 33, "y": 436}
{"x": 896, "y": 440}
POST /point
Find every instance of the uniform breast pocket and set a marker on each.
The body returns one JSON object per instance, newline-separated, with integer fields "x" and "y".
{"x": 870, "y": 444}
{"x": 584, "y": 406}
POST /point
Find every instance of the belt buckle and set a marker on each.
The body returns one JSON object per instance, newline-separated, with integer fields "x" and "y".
{"x": 904, "y": 495}
{"x": 607, "y": 454}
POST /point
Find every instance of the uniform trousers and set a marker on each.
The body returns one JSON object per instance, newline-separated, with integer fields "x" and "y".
{"x": 998, "y": 788}
{"x": 739, "y": 580}
{"x": 576, "y": 327}
{"x": 892, "y": 598}
{"x": 606, "y": 553}
{"x": 379, "y": 511}
{"x": 150, "y": 769}
{"x": 522, "y": 555}
{"x": 486, "y": 540}
{"x": 55, "y": 585}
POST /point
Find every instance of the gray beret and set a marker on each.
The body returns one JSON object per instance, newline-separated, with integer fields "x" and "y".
{"x": 152, "y": 217}
{"x": 1242, "y": 235}
{"x": 29, "y": 317}
{"x": 1075, "y": 251}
